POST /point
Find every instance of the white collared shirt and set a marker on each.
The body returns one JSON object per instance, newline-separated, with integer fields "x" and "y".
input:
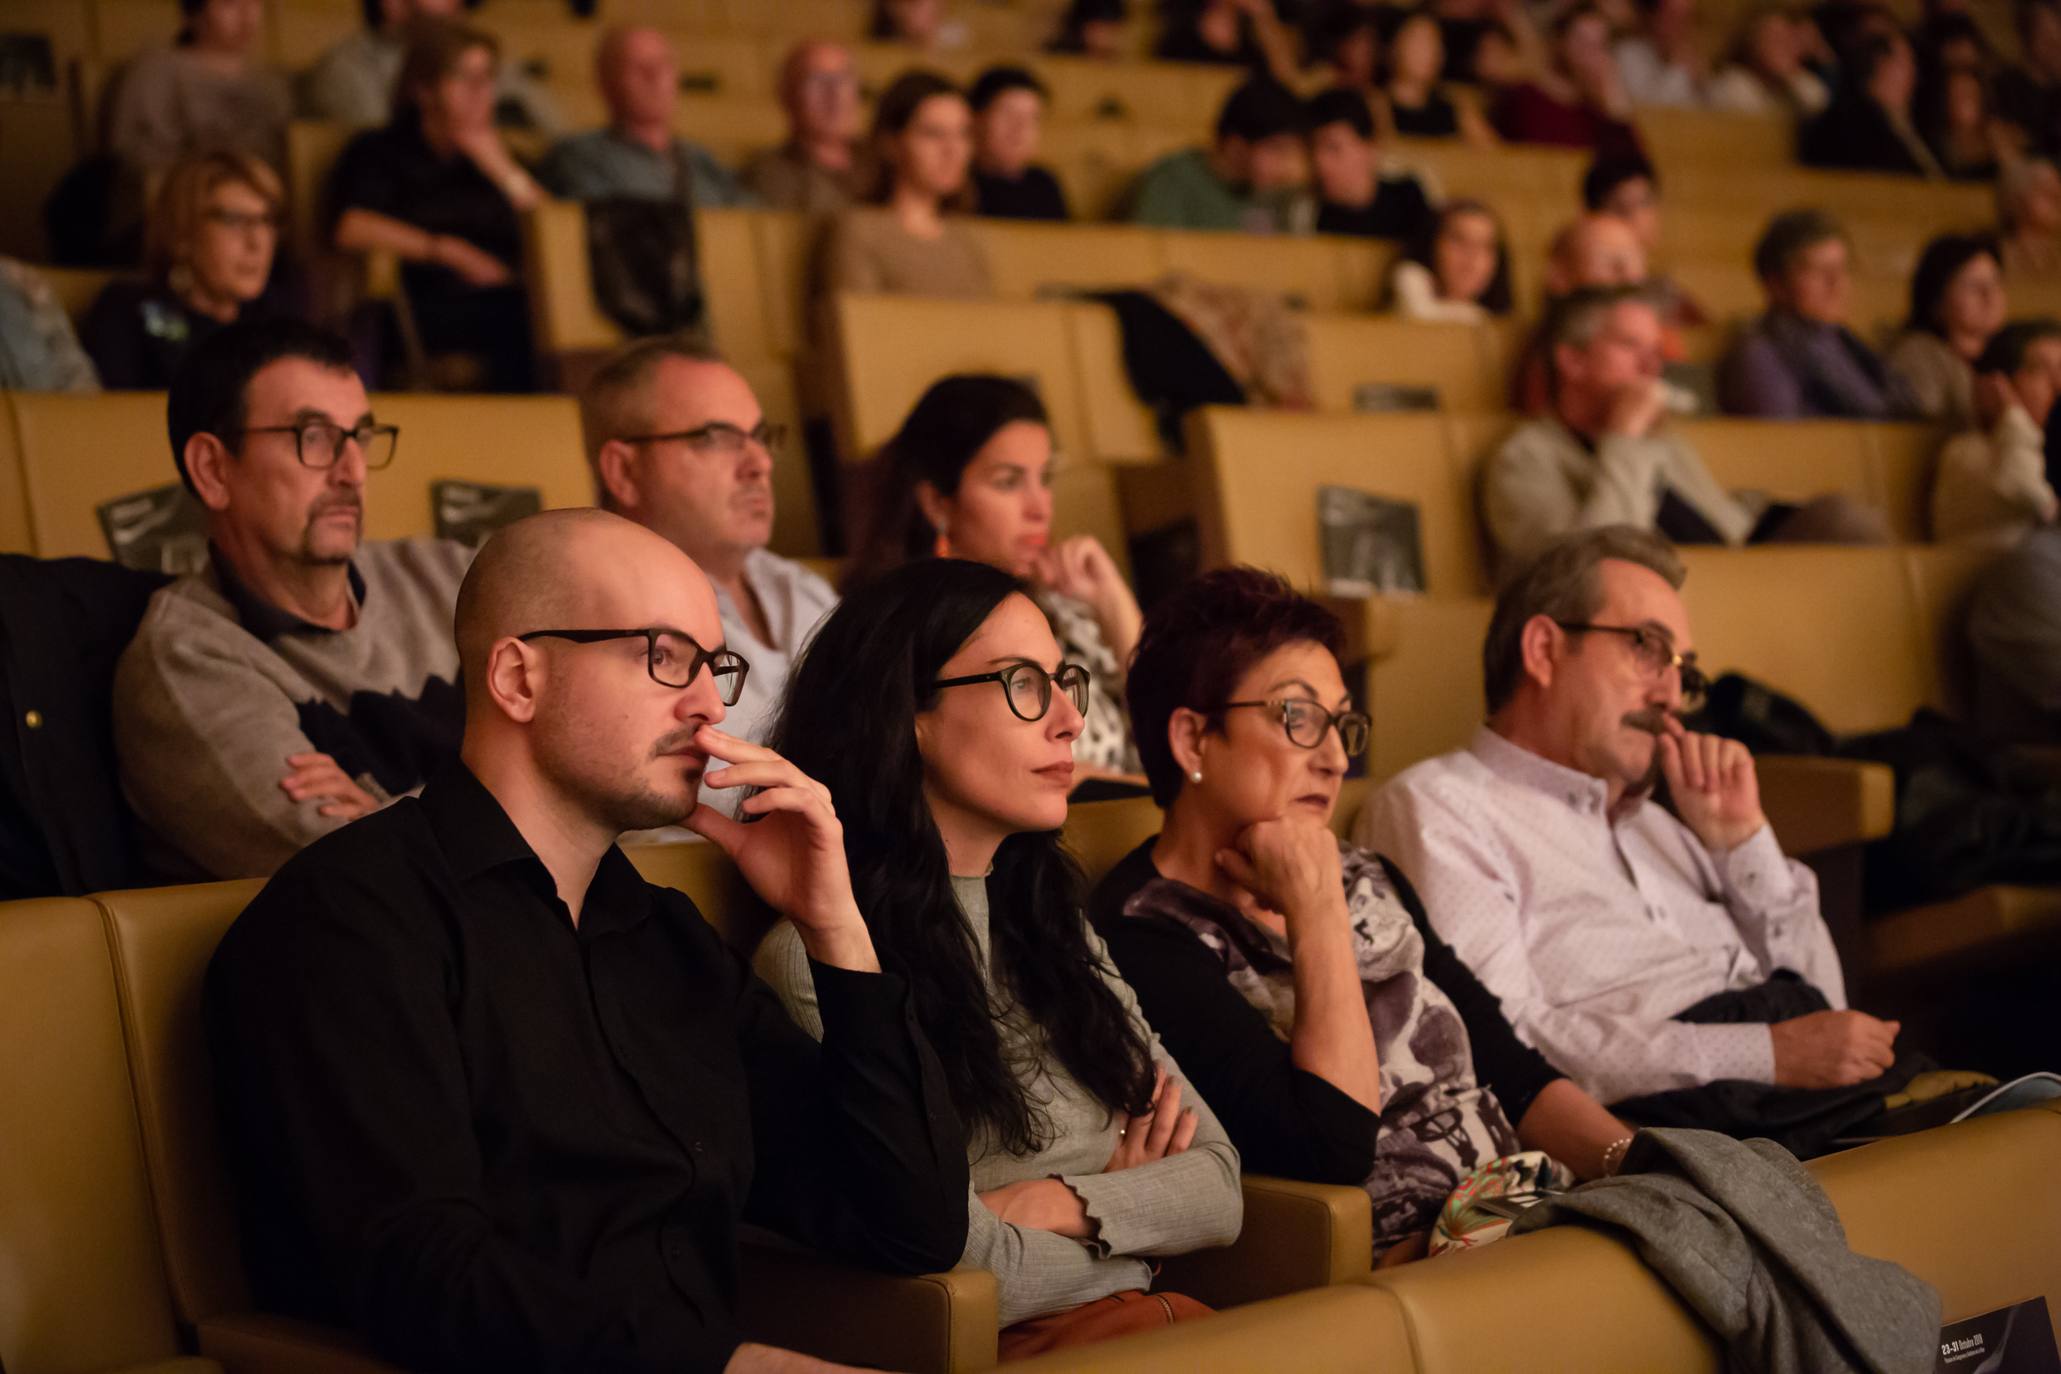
{"x": 1595, "y": 932}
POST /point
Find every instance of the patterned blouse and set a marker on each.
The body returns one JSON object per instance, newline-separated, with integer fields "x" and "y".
{"x": 1105, "y": 738}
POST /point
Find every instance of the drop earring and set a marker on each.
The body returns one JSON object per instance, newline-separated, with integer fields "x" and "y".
{"x": 943, "y": 547}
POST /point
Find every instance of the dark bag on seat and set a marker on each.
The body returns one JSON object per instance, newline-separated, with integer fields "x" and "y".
{"x": 641, "y": 255}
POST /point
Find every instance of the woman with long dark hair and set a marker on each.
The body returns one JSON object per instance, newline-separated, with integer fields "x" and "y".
{"x": 908, "y": 239}
{"x": 969, "y": 475}
{"x": 935, "y": 706}
{"x": 1957, "y": 305}
{"x": 1342, "y": 1040}
{"x": 1456, "y": 270}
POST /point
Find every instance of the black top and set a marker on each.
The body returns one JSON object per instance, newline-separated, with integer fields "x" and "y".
{"x": 492, "y": 1140}
{"x": 1034, "y": 195}
{"x": 1462, "y": 39}
{"x": 137, "y": 332}
{"x": 1435, "y": 118}
{"x": 1286, "y": 1120}
{"x": 1400, "y": 210}
{"x": 394, "y": 172}
{"x": 1854, "y": 133}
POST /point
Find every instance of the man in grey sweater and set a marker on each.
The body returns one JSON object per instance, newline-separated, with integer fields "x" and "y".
{"x": 303, "y": 678}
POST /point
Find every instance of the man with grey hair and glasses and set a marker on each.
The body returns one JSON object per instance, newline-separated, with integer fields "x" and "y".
{"x": 1603, "y": 455}
{"x": 1670, "y": 959}
{"x": 680, "y": 445}
{"x": 304, "y": 677}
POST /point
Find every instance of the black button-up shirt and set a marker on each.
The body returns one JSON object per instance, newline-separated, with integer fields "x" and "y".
{"x": 490, "y": 1139}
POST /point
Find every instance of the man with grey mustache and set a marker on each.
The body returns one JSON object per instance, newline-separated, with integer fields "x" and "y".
{"x": 1672, "y": 961}
{"x": 304, "y": 677}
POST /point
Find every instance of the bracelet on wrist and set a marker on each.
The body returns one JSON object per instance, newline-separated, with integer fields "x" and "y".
{"x": 1613, "y": 1155}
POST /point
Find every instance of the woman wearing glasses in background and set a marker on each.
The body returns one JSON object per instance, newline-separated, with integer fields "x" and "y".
{"x": 209, "y": 245}
{"x": 969, "y": 475}
{"x": 936, "y": 706}
{"x": 1340, "y": 1040}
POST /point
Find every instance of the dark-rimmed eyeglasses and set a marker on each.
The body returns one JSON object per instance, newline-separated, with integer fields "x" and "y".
{"x": 1306, "y": 723}
{"x": 1028, "y": 688}
{"x": 319, "y": 443}
{"x": 720, "y": 437}
{"x": 1656, "y": 654}
{"x": 672, "y": 657}
{"x": 239, "y": 221}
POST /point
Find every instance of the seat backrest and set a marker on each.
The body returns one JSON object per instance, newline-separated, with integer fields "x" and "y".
{"x": 1902, "y": 460}
{"x": 726, "y": 243}
{"x": 1120, "y": 427}
{"x": 1426, "y": 697}
{"x": 1264, "y": 469}
{"x": 16, "y": 533}
{"x": 1349, "y": 352}
{"x": 312, "y": 148}
{"x": 891, "y": 348}
{"x": 521, "y": 441}
{"x": 1941, "y": 577}
{"x": 85, "y": 1285}
{"x": 1675, "y": 138}
{"x": 561, "y": 281}
{"x": 1310, "y": 272}
{"x": 1029, "y": 260}
{"x": 1571, "y": 1297}
{"x": 1837, "y": 628}
{"x": 782, "y": 242}
{"x": 76, "y": 288}
{"x": 1789, "y": 460}
{"x": 163, "y": 939}
{"x": 704, "y": 872}
{"x": 80, "y": 451}
{"x": 1101, "y": 833}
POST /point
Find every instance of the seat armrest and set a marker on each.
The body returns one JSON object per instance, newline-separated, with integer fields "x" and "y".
{"x": 1818, "y": 804}
{"x": 1296, "y": 1236}
{"x": 800, "y": 1299}
{"x": 255, "y": 1343}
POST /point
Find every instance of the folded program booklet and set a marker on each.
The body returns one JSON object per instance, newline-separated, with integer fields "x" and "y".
{"x": 1947, "y": 1108}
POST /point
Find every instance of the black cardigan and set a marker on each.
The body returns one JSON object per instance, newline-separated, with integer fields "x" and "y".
{"x": 1286, "y": 1120}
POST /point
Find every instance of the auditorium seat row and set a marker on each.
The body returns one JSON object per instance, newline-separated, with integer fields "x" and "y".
{"x": 116, "y": 1215}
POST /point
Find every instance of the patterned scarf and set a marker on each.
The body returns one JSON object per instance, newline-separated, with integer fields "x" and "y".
{"x": 1437, "y": 1123}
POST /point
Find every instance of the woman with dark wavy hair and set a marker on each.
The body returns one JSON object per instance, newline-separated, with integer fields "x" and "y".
{"x": 1958, "y": 304}
{"x": 1342, "y": 1040}
{"x": 969, "y": 475}
{"x": 936, "y": 707}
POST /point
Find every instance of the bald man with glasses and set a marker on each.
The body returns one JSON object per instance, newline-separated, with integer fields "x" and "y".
{"x": 304, "y": 677}
{"x": 680, "y": 445}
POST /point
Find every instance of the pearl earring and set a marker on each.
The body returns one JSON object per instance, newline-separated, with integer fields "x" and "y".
{"x": 1196, "y": 776}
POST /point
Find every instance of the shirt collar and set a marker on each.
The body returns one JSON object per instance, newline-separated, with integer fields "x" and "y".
{"x": 262, "y": 618}
{"x": 1579, "y": 791}
{"x": 477, "y": 836}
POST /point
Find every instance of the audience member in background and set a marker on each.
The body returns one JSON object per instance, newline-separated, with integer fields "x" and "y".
{"x": 969, "y": 475}
{"x": 2029, "y": 216}
{"x": 1993, "y": 484}
{"x": 1092, "y": 28}
{"x": 1767, "y": 74}
{"x": 907, "y": 239}
{"x": 494, "y": 1101}
{"x": 1869, "y": 126}
{"x": 304, "y": 678}
{"x": 1602, "y": 454}
{"x": 924, "y": 24}
{"x": 680, "y": 445}
{"x": 1675, "y": 963}
{"x": 1091, "y": 1155}
{"x": 208, "y": 248}
{"x": 1580, "y": 102}
{"x": 357, "y": 79}
{"x": 1593, "y": 252}
{"x": 206, "y": 93}
{"x": 2029, "y": 91}
{"x": 1490, "y": 43}
{"x": 1629, "y": 188}
{"x": 439, "y": 189}
{"x": 1957, "y": 306}
{"x": 1345, "y": 44}
{"x": 638, "y": 157}
{"x": 38, "y": 349}
{"x": 819, "y": 169}
{"x": 1664, "y": 62}
{"x": 1338, "y": 1038}
{"x": 1357, "y": 194}
{"x": 1231, "y": 33}
{"x": 1250, "y": 178}
{"x": 1008, "y": 121}
{"x": 1412, "y": 103}
{"x": 1959, "y": 125}
{"x": 1799, "y": 359}
{"x": 2014, "y": 634}
{"x": 1457, "y": 271}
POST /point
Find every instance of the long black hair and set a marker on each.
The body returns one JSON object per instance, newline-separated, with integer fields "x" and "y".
{"x": 1940, "y": 263}
{"x": 849, "y": 721}
{"x": 950, "y": 423}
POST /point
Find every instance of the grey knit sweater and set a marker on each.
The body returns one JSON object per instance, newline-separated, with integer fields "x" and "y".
{"x": 218, "y": 688}
{"x": 1190, "y": 1201}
